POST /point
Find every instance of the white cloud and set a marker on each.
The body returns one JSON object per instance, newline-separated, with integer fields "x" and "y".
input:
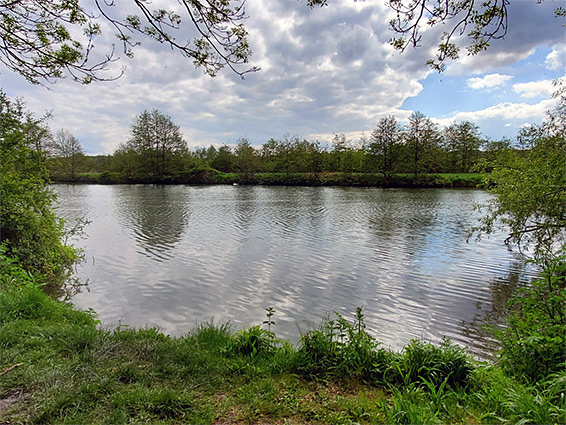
{"x": 490, "y": 81}
{"x": 533, "y": 89}
{"x": 503, "y": 112}
{"x": 290, "y": 98}
{"x": 556, "y": 60}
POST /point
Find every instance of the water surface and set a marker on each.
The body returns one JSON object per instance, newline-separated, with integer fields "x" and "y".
{"x": 172, "y": 256}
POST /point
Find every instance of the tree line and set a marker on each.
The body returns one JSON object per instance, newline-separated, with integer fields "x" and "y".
{"x": 157, "y": 152}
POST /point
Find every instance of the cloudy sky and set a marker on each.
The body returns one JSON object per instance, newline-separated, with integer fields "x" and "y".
{"x": 323, "y": 71}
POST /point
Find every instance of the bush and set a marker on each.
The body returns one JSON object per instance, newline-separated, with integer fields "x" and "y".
{"x": 110, "y": 178}
{"x": 253, "y": 342}
{"x": 427, "y": 365}
{"x": 342, "y": 349}
{"x": 533, "y": 345}
{"x": 29, "y": 229}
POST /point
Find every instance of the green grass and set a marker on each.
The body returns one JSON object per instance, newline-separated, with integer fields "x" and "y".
{"x": 72, "y": 371}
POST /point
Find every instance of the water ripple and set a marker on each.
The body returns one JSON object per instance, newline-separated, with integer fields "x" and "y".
{"x": 174, "y": 255}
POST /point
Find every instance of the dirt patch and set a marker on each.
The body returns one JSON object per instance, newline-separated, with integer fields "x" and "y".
{"x": 8, "y": 401}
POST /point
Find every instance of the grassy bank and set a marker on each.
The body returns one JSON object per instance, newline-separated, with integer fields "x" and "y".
{"x": 210, "y": 176}
{"x": 59, "y": 366}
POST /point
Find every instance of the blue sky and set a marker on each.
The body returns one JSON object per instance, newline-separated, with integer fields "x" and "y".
{"x": 324, "y": 71}
{"x": 444, "y": 95}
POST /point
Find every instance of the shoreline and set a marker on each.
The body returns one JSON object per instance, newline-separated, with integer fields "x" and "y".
{"x": 397, "y": 181}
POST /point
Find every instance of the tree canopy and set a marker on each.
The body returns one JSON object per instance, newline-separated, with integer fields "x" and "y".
{"x": 29, "y": 229}
{"x": 531, "y": 189}
{"x": 156, "y": 141}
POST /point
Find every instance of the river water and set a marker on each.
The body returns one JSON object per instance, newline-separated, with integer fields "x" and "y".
{"x": 173, "y": 256}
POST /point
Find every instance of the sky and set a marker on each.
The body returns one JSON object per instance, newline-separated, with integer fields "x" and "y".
{"x": 323, "y": 71}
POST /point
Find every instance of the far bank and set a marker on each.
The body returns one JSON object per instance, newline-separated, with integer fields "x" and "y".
{"x": 211, "y": 176}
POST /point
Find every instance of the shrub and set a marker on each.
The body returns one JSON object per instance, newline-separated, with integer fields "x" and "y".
{"x": 533, "y": 345}
{"x": 342, "y": 349}
{"x": 425, "y": 364}
{"x": 253, "y": 341}
{"x": 29, "y": 229}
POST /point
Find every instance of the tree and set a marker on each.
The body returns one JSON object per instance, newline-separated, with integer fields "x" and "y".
{"x": 69, "y": 152}
{"x": 492, "y": 150}
{"x": 269, "y": 155}
{"x": 39, "y": 135}
{"x": 462, "y": 141}
{"x": 480, "y": 21}
{"x": 223, "y": 161}
{"x": 156, "y": 140}
{"x": 531, "y": 189}
{"x": 125, "y": 161}
{"x": 384, "y": 145}
{"x": 422, "y": 137}
{"x": 340, "y": 146}
{"x": 315, "y": 157}
{"x": 246, "y": 159}
{"x": 29, "y": 229}
{"x": 38, "y": 36}
{"x": 283, "y": 155}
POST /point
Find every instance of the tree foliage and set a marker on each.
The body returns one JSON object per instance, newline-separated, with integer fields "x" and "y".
{"x": 156, "y": 142}
{"x": 68, "y": 153}
{"x": 29, "y": 228}
{"x": 462, "y": 141}
{"x": 534, "y": 343}
{"x": 384, "y": 144}
{"x": 393, "y": 148}
{"x": 422, "y": 138}
{"x": 531, "y": 189}
{"x": 246, "y": 159}
{"x": 39, "y": 37}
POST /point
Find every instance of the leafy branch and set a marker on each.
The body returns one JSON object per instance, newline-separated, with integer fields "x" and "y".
{"x": 38, "y": 41}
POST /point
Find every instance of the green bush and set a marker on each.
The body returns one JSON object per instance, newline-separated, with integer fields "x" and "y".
{"x": 29, "y": 229}
{"x": 253, "y": 342}
{"x": 342, "y": 349}
{"x": 533, "y": 345}
{"x": 108, "y": 177}
{"x": 431, "y": 366}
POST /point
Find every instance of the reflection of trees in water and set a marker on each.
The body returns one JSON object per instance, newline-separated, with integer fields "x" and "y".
{"x": 491, "y": 315}
{"x": 157, "y": 215}
{"x": 403, "y": 231}
{"x": 405, "y": 213}
{"x": 289, "y": 209}
{"x": 245, "y": 206}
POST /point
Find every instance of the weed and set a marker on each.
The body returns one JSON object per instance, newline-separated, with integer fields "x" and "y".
{"x": 269, "y": 322}
{"x": 253, "y": 341}
{"x": 411, "y": 406}
{"x": 431, "y": 366}
{"x": 342, "y": 349}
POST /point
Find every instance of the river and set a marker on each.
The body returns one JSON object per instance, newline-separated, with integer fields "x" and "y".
{"x": 174, "y": 256}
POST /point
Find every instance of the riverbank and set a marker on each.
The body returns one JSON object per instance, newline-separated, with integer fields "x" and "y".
{"x": 210, "y": 176}
{"x": 58, "y": 366}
